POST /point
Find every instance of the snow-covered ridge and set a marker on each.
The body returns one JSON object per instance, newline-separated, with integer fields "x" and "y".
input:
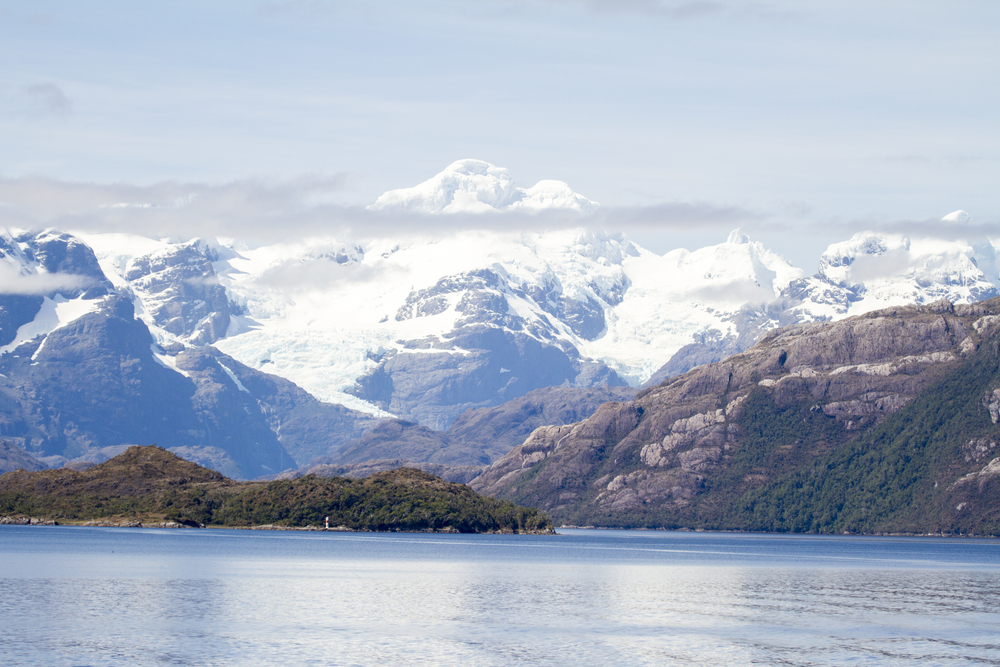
{"x": 474, "y": 186}
{"x": 876, "y": 270}
{"x": 324, "y": 312}
{"x": 48, "y": 279}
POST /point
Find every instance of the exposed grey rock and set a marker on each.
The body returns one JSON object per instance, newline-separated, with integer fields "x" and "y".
{"x": 978, "y": 448}
{"x": 16, "y": 310}
{"x": 60, "y": 253}
{"x": 751, "y": 322}
{"x": 52, "y": 253}
{"x": 497, "y": 430}
{"x": 992, "y": 402}
{"x": 13, "y": 458}
{"x": 478, "y": 366}
{"x": 478, "y": 436}
{"x": 79, "y": 466}
{"x": 181, "y": 291}
{"x": 93, "y": 387}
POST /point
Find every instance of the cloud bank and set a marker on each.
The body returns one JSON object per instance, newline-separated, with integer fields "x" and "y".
{"x": 266, "y": 211}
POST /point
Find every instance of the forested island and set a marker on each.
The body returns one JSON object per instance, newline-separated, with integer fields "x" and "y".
{"x": 150, "y": 486}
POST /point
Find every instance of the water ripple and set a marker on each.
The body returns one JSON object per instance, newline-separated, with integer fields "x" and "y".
{"x": 75, "y": 597}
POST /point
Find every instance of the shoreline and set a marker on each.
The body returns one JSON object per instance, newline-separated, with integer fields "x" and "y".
{"x": 21, "y": 520}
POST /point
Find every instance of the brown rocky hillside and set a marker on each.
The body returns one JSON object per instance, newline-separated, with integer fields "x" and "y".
{"x": 774, "y": 438}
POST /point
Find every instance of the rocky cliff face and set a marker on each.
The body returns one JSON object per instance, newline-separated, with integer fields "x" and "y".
{"x": 685, "y": 452}
{"x": 40, "y": 268}
{"x": 91, "y": 387}
{"x": 180, "y": 292}
{"x": 435, "y": 381}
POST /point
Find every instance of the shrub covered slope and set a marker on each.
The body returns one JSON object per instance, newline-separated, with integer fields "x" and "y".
{"x": 151, "y": 484}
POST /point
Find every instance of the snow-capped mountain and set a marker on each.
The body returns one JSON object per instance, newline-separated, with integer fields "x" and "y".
{"x": 474, "y": 186}
{"x": 872, "y": 271}
{"x": 427, "y": 328}
{"x": 46, "y": 281}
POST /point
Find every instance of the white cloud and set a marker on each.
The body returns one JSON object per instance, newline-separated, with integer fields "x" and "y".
{"x": 249, "y": 208}
{"x": 12, "y": 281}
{"x": 267, "y": 210}
{"x": 868, "y": 268}
{"x": 260, "y": 210}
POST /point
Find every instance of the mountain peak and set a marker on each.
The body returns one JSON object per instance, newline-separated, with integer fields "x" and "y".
{"x": 475, "y": 186}
{"x": 737, "y": 238}
{"x": 957, "y": 217}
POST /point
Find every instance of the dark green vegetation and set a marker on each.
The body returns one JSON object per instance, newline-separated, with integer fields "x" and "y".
{"x": 150, "y": 484}
{"x": 899, "y": 476}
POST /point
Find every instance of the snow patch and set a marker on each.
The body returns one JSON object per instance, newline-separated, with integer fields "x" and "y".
{"x": 232, "y": 376}
{"x": 167, "y": 361}
{"x": 54, "y": 314}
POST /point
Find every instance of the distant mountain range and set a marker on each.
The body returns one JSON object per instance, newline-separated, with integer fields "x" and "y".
{"x": 256, "y": 359}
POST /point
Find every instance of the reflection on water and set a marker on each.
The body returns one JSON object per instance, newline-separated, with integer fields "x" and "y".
{"x": 142, "y": 597}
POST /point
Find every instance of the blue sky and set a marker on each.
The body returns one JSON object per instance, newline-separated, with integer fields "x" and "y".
{"x": 799, "y": 121}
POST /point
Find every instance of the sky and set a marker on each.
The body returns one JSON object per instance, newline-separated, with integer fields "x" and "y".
{"x": 800, "y": 122}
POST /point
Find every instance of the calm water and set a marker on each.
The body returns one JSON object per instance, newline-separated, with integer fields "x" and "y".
{"x": 92, "y": 596}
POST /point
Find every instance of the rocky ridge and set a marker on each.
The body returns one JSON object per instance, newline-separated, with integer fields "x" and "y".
{"x": 477, "y": 438}
{"x": 684, "y": 453}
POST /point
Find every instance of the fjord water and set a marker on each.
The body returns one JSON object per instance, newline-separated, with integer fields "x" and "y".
{"x": 92, "y": 596}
